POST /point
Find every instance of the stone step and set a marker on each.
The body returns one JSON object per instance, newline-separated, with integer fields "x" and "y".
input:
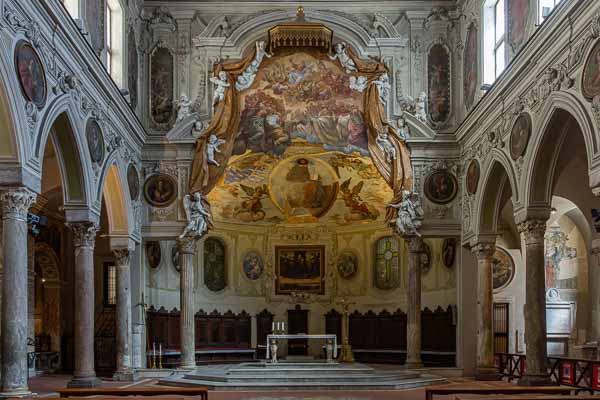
{"x": 294, "y": 370}
{"x": 304, "y": 378}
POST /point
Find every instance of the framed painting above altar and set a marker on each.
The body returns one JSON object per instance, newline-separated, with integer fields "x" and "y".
{"x": 300, "y": 269}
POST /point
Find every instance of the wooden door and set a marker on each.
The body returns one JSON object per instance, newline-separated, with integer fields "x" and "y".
{"x": 298, "y": 323}
{"x": 501, "y": 327}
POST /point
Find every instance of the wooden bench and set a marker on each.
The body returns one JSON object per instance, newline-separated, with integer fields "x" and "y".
{"x": 133, "y": 391}
{"x": 511, "y": 390}
{"x": 533, "y": 397}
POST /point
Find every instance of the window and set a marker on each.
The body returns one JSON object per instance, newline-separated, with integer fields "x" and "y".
{"x": 494, "y": 40}
{"x": 114, "y": 41}
{"x": 72, "y": 7}
{"x": 110, "y": 285}
{"x": 545, "y": 8}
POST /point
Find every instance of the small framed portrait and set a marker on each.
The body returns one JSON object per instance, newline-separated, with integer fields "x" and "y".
{"x": 519, "y": 136}
{"x": 472, "y": 179}
{"x": 449, "y": 252}
{"x": 160, "y": 190}
{"x": 153, "y": 253}
{"x": 441, "y": 187}
{"x": 95, "y": 141}
{"x": 503, "y": 269}
{"x": 591, "y": 73}
{"x": 133, "y": 181}
{"x": 253, "y": 265}
{"x": 30, "y": 72}
{"x": 347, "y": 264}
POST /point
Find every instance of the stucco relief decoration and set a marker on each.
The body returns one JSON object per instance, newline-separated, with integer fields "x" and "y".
{"x": 297, "y": 101}
{"x": 161, "y": 86}
{"x": 470, "y": 67}
{"x": 438, "y": 78}
{"x": 518, "y": 18}
{"x": 519, "y": 136}
{"x": 30, "y": 72}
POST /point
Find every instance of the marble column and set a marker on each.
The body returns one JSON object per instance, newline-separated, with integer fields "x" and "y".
{"x": 15, "y": 204}
{"x": 84, "y": 238}
{"x": 124, "y": 370}
{"x": 413, "y": 327}
{"x": 532, "y": 234}
{"x": 187, "y": 247}
{"x": 485, "y": 369}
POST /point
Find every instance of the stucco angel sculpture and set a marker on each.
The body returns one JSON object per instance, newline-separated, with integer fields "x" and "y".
{"x": 384, "y": 143}
{"x": 212, "y": 147}
{"x": 197, "y": 216}
{"x": 358, "y": 83}
{"x": 384, "y": 87}
{"x": 420, "y": 105}
{"x": 245, "y": 80}
{"x": 184, "y": 108}
{"x": 410, "y": 214}
{"x": 343, "y": 57}
{"x": 221, "y": 85}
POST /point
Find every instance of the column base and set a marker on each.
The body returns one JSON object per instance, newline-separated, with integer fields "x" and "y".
{"x": 487, "y": 374}
{"x": 84, "y": 382}
{"x": 125, "y": 375}
{"x": 413, "y": 364}
{"x": 536, "y": 380}
{"x": 347, "y": 356}
{"x": 15, "y": 393}
{"x": 187, "y": 367}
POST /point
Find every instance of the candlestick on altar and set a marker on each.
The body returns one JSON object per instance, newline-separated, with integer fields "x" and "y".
{"x": 273, "y": 326}
{"x": 160, "y": 356}
{"x": 153, "y": 355}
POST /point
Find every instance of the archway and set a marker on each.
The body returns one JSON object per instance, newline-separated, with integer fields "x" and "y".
{"x": 47, "y": 298}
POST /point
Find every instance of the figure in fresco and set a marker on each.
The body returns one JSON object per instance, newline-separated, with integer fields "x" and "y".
{"x": 557, "y": 255}
{"x": 221, "y": 85}
{"x": 213, "y": 147}
{"x": 358, "y": 209}
{"x": 343, "y": 57}
{"x": 251, "y": 208}
{"x": 410, "y": 214}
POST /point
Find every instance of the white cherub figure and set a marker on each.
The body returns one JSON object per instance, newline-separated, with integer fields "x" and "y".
{"x": 343, "y": 57}
{"x": 197, "y": 216}
{"x": 383, "y": 142}
{"x": 261, "y": 52}
{"x": 384, "y": 87}
{"x": 221, "y": 85}
{"x": 420, "y": 105}
{"x": 184, "y": 108}
{"x": 358, "y": 83}
{"x": 213, "y": 147}
{"x": 403, "y": 131}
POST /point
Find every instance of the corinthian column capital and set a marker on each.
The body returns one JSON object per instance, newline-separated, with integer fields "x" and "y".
{"x": 16, "y": 203}
{"x": 483, "y": 250}
{"x": 84, "y": 233}
{"x": 187, "y": 245}
{"x": 415, "y": 244}
{"x": 122, "y": 257}
{"x": 533, "y": 231}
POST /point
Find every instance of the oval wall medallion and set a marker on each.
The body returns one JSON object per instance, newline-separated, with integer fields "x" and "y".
{"x": 153, "y": 253}
{"x": 519, "y": 136}
{"x": 590, "y": 85}
{"x": 449, "y": 252}
{"x": 160, "y": 190}
{"x": 438, "y": 79}
{"x": 175, "y": 257}
{"x": 253, "y": 265}
{"x": 440, "y": 187}
{"x": 133, "y": 181}
{"x": 347, "y": 264}
{"x": 95, "y": 141}
{"x": 30, "y": 72}
{"x": 472, "y": 179}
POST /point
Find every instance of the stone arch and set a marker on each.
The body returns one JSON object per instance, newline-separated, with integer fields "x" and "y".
{"x": 65, "y": 131}
{"x": 114, "y": 190}
{"x": 563, "y": 114}
{"x": 496, "y": 176}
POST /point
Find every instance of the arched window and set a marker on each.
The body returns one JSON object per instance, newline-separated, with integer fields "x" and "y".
{"x": 114, "y": 40}
{"x": 72, "y": 7}
{"x": 545, "y": 8}
{"x": 494, "y": 39}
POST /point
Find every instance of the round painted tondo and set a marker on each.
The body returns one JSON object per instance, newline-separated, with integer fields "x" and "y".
{"x": 519, "y": 136}
{"x": 253, "y": 265}
{"x": 30, "y": 72}
{"x": 133, "y": 181}
{"x": 441, "y": 187}
{"x": 95, "y": 141}
{"x": 590, "y": 85}
{"x": 160, "y": 190}
{"x": 503, "y": 269}
{"x": 347, "y": 264}
{"x": 472, "y": 179}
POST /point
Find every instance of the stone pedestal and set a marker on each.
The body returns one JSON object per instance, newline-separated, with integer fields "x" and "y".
{"x": 124, "y": 370}
{"x": 532, "y": 234}
{"x": 485, "y": 369}
{"x": 15, "y": 204}
{"x": 413, "y": 327}
{"x": 187, "y": 247}
{"x": 84, "y": 238}
{"x": 346, "y": 353}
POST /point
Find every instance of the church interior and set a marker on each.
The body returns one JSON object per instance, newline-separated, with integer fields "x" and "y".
{"x": 300, "y": 200}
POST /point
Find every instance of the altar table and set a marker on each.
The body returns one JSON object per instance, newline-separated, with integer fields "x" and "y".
{"x": 300, "y": 336}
